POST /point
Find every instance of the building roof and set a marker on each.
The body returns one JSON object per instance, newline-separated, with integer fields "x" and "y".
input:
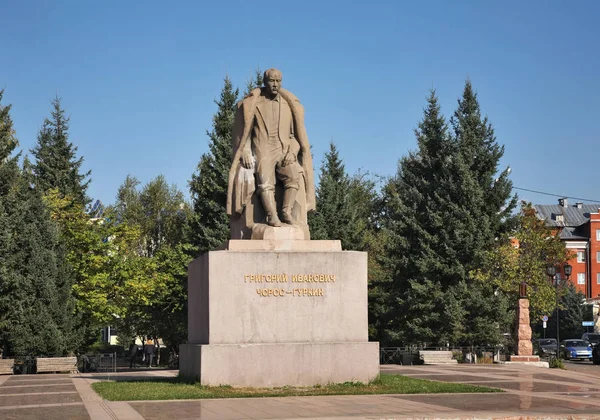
{"x": 557, "y": 215}
{"x": 572, "y": 234}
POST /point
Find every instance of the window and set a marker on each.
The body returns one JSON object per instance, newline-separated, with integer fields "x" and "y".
{"x": 580, "y": 278}
{"x": 580, "y": 256}
{"x": 597, "y": 256}
{"x": 598, "y": 278}
{"x": 598, "y": 234}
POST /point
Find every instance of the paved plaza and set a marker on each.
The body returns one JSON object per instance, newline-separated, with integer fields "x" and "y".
{"x": 530, "y": 392}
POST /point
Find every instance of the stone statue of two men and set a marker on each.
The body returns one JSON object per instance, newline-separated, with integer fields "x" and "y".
{"x": 271, "y": 181}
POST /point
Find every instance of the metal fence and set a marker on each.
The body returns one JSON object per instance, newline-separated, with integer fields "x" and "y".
{"x": 103, "y": 362}
{"x": 410, "y": 355}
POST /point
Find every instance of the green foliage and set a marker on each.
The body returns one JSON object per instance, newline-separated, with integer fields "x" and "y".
{"x": 524, "y": 256}
{"x": 208, "y": 186}
{"x": 56, "y": 164}
{"x": 36, "y": 307}
{"x": 572, "y": 311}
{"x": 157, "y": 216}
{"x": 556, "y": 363}
{"x": 442, "y": 210}
{"x": 348, "y": 209}
{"x": 159, "y": 210}
{"x": 333, "y": 219}
{"x": 477, "y": 144}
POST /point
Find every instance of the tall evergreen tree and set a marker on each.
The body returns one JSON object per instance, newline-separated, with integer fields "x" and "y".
{"x": 36, "y": 307}
{"x": 208, "y": 186}
{"x": 440, "y": 220}
{"x": 56, "y": 164}
{"x": 12, "y": 299}
{"x": 477, "y": 144}
{"x": 412, "y": 220}
{"x": 333, "y": 219}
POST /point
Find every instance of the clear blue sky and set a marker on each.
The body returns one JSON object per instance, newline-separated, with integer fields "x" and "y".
{"x": 138, "y": 79}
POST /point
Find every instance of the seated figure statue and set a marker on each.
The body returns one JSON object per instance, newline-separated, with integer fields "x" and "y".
{"x": 271, "y": 181}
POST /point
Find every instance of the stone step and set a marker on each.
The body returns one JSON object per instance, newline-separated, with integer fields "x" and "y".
{"x": 433, "y": 357}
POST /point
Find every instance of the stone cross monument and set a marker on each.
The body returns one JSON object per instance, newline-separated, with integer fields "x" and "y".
{"x": 524, "y": 345}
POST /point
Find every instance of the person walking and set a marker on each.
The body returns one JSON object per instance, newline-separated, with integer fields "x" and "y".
{"x": 149, "y": 351}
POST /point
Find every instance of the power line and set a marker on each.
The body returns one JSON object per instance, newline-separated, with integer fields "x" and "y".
{"x": 557, "y": 195}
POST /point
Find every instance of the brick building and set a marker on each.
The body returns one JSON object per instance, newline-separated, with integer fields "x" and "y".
{"x": 579, "y": 226}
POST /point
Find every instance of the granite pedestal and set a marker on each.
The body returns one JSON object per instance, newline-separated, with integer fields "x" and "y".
{"x": 524, "y": 345}
{"x": 278, "y": 312}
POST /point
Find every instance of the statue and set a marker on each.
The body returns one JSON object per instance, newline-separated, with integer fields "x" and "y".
{"x": 271, "y": 181}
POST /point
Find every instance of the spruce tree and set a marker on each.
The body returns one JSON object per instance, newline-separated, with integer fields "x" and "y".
{"x": 413, "y": 202}
{"x": 208, "y": 186}
{"x": 333, "y": 219}
{"x": 36, "y": 307}
{"x": 444, "y": 210}
{"x": 12, "y": 298}
{"x": 254, "y": 82}
{"x": 476, "y": 140}
{"x": 48, "y": 323}
{"x": 56, "y": 164}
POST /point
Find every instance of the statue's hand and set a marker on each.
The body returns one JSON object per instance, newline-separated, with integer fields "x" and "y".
{"x": 289, "y": 159}
{"x": 247, "y": 160}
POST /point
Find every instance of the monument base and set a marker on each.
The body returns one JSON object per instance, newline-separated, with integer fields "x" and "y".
{"x": 279, "y": 364}
{"x": 521, "y": 359}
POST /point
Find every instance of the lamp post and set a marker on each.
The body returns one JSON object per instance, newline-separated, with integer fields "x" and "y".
{"x": 567, "y": 269}
{"x": 551, "y": 272}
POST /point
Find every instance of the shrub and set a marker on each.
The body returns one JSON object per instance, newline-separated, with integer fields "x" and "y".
{"x": 556, "y": 363}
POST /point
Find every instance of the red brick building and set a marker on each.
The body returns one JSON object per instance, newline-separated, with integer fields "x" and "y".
{"x": 579, "y": 226}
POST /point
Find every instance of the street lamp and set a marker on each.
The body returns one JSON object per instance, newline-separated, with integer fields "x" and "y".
{"x": 551, "y": 272}
{"x": 567, "y": 269}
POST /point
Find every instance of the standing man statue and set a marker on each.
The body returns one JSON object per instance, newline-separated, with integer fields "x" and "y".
{"x": 271, "y": 179}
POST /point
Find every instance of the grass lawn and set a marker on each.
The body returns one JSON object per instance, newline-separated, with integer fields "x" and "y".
{"x": 178, "y": 389}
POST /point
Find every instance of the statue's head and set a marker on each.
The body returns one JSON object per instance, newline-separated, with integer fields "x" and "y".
{"x": 272, "y": 82}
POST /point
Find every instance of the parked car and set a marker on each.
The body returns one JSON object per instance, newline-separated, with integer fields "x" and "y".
{"x": 545, "y": 347}
{"x": 592, "y": 338}
{"x": 596, "y": 355}
{"x": 575, "y": 349}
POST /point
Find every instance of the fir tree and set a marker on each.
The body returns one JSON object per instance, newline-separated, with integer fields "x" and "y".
{"x": 438, "y": 233}
{"x": 333, "y": 219}
{"x": 56, "y": 164}
{"x": 12, "y": 298}
{"x": 254, "y": 82}
{"x": 48, "y": 323}
{"x": 477, "y": 144}
{"x": 208, "y": 186}
{"x": 36, "y": 307}
{"x": 412, "y": 208}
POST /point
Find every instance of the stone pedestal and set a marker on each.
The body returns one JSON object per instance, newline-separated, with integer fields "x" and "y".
{"x": 278, "y": 312}
{"x": 524, "y": 345}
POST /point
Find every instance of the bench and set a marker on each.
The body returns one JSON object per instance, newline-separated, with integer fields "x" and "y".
{"x": 7, "y": 366}
{"x": 56, "y": 364}
{"x": 435, "y": 357}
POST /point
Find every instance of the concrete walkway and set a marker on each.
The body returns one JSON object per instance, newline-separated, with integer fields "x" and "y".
{"x": 530, "y": 393}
